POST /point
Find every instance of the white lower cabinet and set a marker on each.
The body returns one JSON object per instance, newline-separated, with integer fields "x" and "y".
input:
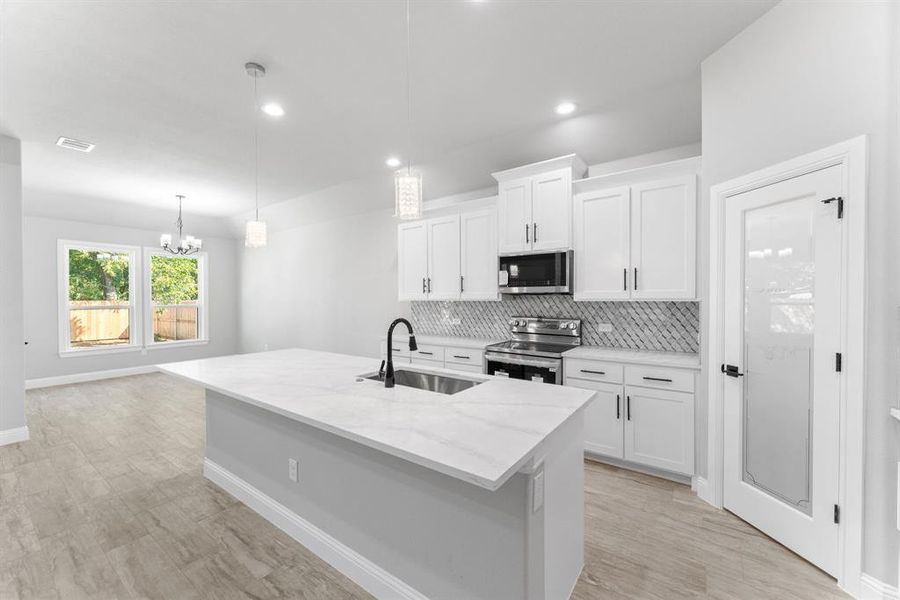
{"x": 647, "y": 424}
{"x": 603, "y": 432}
{"x": 659, "y": 429}
{"x": 435, "y": 356}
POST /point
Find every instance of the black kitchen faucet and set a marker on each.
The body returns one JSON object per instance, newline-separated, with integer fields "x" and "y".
{"x": 389, "y": 369}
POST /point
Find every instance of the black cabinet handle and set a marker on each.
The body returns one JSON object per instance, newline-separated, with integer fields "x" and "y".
{"x": 618, "y": 407}
{"x": 526, "y": 233}
{"x": 458, "y": 356}
{"x": 534, "y": 228}
{"x": 625, "y": 280}
{"x": 461, "y": 288}
{"x": 396, "y": 349}
{"x": 628, "y": 407}
{"x": 658, "y": 379}
{"x": 429, "y": 285}
{"x": 423, "y": 352}
{"x": 423, "y": 285}
{"x": 593, "y": 372}
{"x": 635, "y": 278}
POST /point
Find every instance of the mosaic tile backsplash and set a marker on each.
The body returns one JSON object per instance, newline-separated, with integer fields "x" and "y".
{"x": 669, "y": 326}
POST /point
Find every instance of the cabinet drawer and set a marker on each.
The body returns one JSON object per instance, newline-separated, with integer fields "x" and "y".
{"x": 593, "y": 370}
{"x": 463, "y": 356}
{"x": 426, "y": 362}
{"x": 400, "y": 348}
{"x": 664, "y": 378}
{"x": 466, "y": 368}
{"x": 428, "y": 352}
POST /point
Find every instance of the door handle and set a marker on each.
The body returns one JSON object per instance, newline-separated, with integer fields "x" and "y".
{"x": 534, "y": 229}
{"x": 526, "y": 234}
{"x": 628, "y": 407}
{"x": 618, "y": 407}
{"x": 732, "y": 371}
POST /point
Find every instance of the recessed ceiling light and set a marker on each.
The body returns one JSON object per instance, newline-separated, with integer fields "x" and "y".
{"x": 565, "y": 108}
{"x": 393, "y": 162}
{"x": 272, "y": 109}
{"x": 73, "y": 144}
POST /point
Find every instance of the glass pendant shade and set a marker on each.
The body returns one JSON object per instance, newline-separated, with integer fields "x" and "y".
{"x": 256, "y": 234}
{"x": 408, "y": 196}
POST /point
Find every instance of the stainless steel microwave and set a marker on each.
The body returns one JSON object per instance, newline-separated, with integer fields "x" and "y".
{"x": 548, "y": 273}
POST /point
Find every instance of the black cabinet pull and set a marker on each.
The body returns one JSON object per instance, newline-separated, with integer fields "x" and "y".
{"x": 423, "y": 352}
{"x": 628, "y": 407}
{"x": 461, "y": 288}
{"x": 625, "y": 280}
{"x": 534, "y": 229}
{"x": 658, "y": 379}
{"x": 618, "y": 407}
{"x": 464, "y": 357}
{"x": 635, "y": 278}
{"x": 526, "y": 233}
{"x": 593, "y": 372}
{"x": 396, "y": 349}
{"x": 423, "y": 285}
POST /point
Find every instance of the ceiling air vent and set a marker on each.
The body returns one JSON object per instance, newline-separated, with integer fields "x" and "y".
{"x": 71, "y": 144}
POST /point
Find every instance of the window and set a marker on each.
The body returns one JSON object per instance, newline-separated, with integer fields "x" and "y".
{"x": 98, "y": 298}
{"x": 176, "y": 291}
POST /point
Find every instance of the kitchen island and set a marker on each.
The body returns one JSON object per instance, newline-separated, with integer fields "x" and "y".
{"x": 411, "y": 493}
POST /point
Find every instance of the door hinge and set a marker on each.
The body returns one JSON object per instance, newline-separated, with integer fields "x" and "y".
{"x": 838, "y": 361}
{"x": 837, "y": 513}
{"x": 840, "y": 203}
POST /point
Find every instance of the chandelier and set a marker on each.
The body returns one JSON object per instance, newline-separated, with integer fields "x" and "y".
{"x": 186, "y": 245}
{"x": 408, "y": 185}
{"x": 256, "y": 234}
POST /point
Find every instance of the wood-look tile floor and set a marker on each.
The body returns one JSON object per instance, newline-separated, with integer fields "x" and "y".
{"x": 108, "y": 500}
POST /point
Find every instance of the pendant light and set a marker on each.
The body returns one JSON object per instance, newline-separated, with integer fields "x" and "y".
{"x": 186, "y": 245}
{"x": 408, "y": 185}
{"x": 256, "y": 234}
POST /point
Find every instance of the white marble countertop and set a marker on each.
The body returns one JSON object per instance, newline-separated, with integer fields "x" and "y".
{"x": 437, "y": 340}
{"x": 682, "y": 360}
{"x": 482, "y": 435}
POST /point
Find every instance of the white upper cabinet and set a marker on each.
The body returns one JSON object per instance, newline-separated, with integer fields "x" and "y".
{"x": 442, "y": 282}
{"x": 663, "y": 238}
{"x": 412, "y": 260}
{"x": 551, "y": 211}
{"x": 534, "y": 205}
{"x": 602, "y": 246}
{"x": 635, "y": 234}
{"x": 478, "y": 254}
{"x": 514, "y": 214}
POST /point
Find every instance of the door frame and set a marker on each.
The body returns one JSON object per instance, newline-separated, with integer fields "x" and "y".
{"x": 852, "y": 155}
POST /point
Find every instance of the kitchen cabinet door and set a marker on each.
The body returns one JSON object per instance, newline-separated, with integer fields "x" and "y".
{"x": 663, "y": 239}
{"x": 412, "y": 260}
{"x": 602, "y": 245}
{"x": 514, "y": 214}
{"x": 478, "y": 274}
{"x": 659, "y": 429}
{"x": 442, "y": 282}
{"x": 603, "y": 429}
{"x": 551, "y": 227}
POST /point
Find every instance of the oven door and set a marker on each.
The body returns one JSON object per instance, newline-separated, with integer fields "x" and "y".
{"x": 529, "y": 368}
{"x": 549, "y": 273}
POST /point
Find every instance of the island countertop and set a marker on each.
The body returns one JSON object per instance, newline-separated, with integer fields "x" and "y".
{"x": 482, "y": 435}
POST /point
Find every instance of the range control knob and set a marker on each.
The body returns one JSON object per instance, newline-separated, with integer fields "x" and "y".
{"x": 572, "y": 326}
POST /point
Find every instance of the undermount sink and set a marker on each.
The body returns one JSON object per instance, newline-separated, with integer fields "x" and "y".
{"x": 432, "y": 382}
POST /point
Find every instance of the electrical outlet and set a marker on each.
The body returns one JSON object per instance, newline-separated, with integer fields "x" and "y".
{"x": 292, "y": 469}
{"x": 604, "y": 328}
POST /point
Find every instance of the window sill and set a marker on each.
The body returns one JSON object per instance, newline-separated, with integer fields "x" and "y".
{"x": 184, "y": 344}
{"x": 72, "y": 353}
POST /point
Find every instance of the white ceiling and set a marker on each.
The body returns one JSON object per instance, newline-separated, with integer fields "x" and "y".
{"x": 160, "y": 87}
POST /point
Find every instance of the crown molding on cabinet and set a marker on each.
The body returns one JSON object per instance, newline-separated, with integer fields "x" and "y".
{"x": 573, "y": 161}
{"x": 665, "y": 170}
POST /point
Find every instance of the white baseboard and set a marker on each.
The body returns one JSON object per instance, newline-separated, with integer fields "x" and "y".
{"x": 364, "y": 572}
{"x": 31, "y": 384}
{"x": 13, "y": 436}
{"x": 704, "y": 490}
{"x": 873, "y": 589}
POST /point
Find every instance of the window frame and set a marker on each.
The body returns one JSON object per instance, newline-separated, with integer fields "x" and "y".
{"x": 133, "y": 305}
{"x": 202, "y": 259}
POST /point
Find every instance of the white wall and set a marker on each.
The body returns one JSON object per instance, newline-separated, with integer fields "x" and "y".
{"x": 41, "y": 300}
{"x": 327, "y": 286}
{"x": 12, "y": 391}
{"x": 802, "y": 77}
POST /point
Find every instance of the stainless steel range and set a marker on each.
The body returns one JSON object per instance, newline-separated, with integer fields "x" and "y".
{"x": 534, "y": 352}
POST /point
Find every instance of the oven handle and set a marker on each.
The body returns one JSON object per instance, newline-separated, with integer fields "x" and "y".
{"x": 521, "y": 360}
